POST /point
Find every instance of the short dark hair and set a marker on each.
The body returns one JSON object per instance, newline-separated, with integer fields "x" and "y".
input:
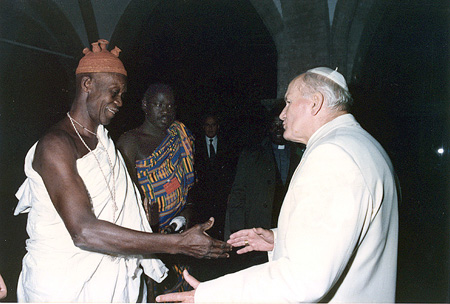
{"x": 213, "y": 115}
{"x": 157, "y": 88}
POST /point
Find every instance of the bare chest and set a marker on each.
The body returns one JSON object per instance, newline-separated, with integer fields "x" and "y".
{"x": 147, "y": 145}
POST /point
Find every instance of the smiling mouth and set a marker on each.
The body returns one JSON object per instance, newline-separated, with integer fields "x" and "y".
{"x": 114, "y": 111}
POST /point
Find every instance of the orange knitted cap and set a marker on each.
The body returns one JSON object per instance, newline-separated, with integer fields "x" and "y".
{"x": 100, "y": 60}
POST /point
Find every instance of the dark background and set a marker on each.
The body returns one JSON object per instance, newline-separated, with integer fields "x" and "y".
{"x": 216, "y": 61}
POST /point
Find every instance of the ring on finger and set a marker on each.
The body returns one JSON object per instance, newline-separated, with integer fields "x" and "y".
{"x": 246, "y": 243}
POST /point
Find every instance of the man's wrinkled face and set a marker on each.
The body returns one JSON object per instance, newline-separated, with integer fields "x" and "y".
{"x": 296, "y": 114}
{"x": 105, "y": 96}
{"x": 160, "y": 110}
{"x": 211, "y": 127}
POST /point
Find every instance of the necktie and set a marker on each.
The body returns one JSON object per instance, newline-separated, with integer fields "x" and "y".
{"x": 212, "y": 152}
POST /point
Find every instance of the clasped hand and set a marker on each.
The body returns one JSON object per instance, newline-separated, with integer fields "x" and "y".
{"x": 255, "y": 239}
{"x": 197, "y": 243}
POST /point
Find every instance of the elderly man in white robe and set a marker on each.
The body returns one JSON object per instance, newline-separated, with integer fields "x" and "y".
{"x": 337, "y": 233}
{"x": 88, "y": 230}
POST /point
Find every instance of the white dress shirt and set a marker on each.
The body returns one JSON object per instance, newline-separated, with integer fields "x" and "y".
{"x": 214, "y": 142}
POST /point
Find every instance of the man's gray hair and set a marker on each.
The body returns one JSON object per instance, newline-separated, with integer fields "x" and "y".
{"x": 336, "y": 97}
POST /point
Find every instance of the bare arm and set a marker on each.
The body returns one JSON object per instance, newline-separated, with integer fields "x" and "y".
{"x": 55, "y": 161}
{"x": 128, "y": 148}
{"x": 128, "y": 145}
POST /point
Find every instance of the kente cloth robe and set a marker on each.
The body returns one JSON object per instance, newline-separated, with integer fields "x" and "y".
{"x": 54, "y": 269}
{"x": 337, "y": 231}
{"x": 165, "y": 177}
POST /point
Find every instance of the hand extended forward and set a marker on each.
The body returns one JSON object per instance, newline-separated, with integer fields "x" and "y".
{"x": 184, "y": 297}
{"x": 255, "y": 239}
{"x": 197, "y": 243}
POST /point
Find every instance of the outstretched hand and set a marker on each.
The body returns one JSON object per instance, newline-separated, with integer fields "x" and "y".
{"x": 255, "y": 239}
{"x": 197, "y": 243}
{"x": 184, "y": 297}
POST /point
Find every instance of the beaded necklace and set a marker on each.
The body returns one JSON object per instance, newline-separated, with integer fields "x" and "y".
{"x": 112, "y": 191}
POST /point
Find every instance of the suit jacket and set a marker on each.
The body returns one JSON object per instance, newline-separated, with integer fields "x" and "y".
{"x": 257, "y": 189}
{"x": 214, "y": 181}
{"x": 338, "y": 228}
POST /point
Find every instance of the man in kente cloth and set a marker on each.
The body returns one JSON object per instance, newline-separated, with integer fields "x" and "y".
{"x": 88, "y": 234}
{"x": 159, "y": 154}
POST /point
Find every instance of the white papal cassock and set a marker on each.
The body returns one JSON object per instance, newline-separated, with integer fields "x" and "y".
{"x": 338, "y": 228}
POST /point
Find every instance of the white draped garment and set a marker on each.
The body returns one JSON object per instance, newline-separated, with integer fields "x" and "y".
{"x": 337, "y": 230}
{"x": 54, "y": 269}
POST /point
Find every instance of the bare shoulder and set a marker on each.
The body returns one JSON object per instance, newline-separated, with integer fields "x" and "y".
{"x": 55, "y": 147}
{"x": 129, "y": 137}
{"x": 128, "y": 141}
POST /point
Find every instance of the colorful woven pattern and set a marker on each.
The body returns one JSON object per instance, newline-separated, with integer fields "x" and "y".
{"x": 166, "y": 177}
{"x": 172, "y": 163}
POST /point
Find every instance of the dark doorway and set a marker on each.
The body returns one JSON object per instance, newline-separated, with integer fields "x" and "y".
{"x": 218, "y": 56}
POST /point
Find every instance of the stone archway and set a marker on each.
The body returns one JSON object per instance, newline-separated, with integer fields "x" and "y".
{"x": 227, "y": 45}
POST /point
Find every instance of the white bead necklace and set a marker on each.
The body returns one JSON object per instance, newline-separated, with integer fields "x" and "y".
{"x": 112, "y": 191}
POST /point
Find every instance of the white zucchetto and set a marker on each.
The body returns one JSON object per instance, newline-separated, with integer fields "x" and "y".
{"x": 333, "y": 75}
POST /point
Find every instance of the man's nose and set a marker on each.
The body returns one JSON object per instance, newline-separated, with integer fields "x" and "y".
{"x": 283, "y": 114}
{"x": 118, "y": 102}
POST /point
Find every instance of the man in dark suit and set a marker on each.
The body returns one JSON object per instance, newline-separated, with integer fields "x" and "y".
{"x": 214, "y": 164}
{"x": 262, "y": 178}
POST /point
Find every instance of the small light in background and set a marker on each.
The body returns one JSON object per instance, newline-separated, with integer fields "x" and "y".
{"x": 440, "y": 151}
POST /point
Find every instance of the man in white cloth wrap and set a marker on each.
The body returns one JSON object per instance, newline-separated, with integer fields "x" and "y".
{"x": 337, "y": 233}
{"x": 88, "y": 232}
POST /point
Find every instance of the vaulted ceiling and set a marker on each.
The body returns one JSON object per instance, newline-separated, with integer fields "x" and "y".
{"x": 224, "y": 55}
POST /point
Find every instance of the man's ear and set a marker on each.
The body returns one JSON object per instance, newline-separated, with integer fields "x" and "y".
{"x": 86, "y": 84}
{"x": 317, "y": 103}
